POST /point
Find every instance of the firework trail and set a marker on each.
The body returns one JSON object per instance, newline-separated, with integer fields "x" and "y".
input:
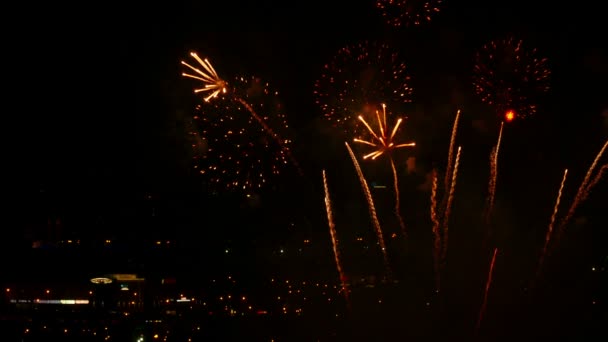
{"x": 436, "y": 234}
{"x": 595, "y": 180}
{"x": 372, "y": 209}
{"x": 397, "y": 200}
{"x": 440, "y": 242}
{"x": 551, "y": 223}
{"x": 583, "y": 191}
{"x": 334, "y": 239}
{"x": 493, "y": 175}
{"x": 448, "y": 208}
{"x": 448, "y": 170}
{"x": 215, "y": 85}
{"x": 484, "y": 303}
{"x": 384, "y": 144}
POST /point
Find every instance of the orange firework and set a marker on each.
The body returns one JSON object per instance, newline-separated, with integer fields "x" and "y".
{"x": 510, "y": 77}
{"x": 357, "y": 80}
{"x": 260, "y": 103}
{"x": 383, "y": 143}
{"x": 408, "y": 12}
{"x": 212, "y": 83}
{"x": 509, "y": 115}
{"x": 215, "y": 85}
{"x": 230, "y": 148}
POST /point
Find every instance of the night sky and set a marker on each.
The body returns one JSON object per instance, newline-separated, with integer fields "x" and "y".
{"x": 108, "y": 120}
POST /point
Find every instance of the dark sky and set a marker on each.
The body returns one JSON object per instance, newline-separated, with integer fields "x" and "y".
{"x": 101, "y": 103}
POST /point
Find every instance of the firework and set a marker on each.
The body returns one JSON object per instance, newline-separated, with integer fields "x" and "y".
{"x": 384, "y": 144}
{"x": 510, "y": 77}
{"x": 371, "y": 207}
{"x": 212, "y": 83}
{"x": 231, "y": 148}
{"x": 357, "y": 80}
{"x": 408, "y": 12}
{"x": 334, "y": 239}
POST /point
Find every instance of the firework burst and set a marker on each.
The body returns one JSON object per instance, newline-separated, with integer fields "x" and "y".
{"x": 399, "y": 13}
{"x": 213, "y": 85}
{"x": 230, "y": 147}
{"x": 510, "y": 77}
{"x": 357, "y": 80}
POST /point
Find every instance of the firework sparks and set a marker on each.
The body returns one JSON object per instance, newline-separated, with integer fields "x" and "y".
{"x": 357, "y": 80}
{"x": 551, "y": 224}
{"x": 334, "y": 239}
{"x": 371, "y": 207}
{"x": 212, "y": 83}
{"x": 259, "y": 102}
{"x": 383, "y": 143}
{"x": 230, "y": 148}
{"x": 510, "y": 77}
{"x": 408, "y": 12}
{"x": 383, "y": 140}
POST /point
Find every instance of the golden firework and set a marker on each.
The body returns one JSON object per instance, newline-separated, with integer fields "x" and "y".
{"x": 213, "y": 84}
{"x": 383, "y": 140}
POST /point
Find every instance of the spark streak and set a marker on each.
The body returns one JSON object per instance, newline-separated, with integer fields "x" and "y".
{"x": 484, "y": 303}
{"x": 448, "y": 169}
{"x": 213, "y": 84}
{"x": 334, "y": 239}
{"x": 372, "y": 209}
{"x": 436, "y": 233}
{"x": 493, "y": 175}
{"x": 448, "y": 208}
{"x": 551, "y": 224}
{"x": 583, "y": 190}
